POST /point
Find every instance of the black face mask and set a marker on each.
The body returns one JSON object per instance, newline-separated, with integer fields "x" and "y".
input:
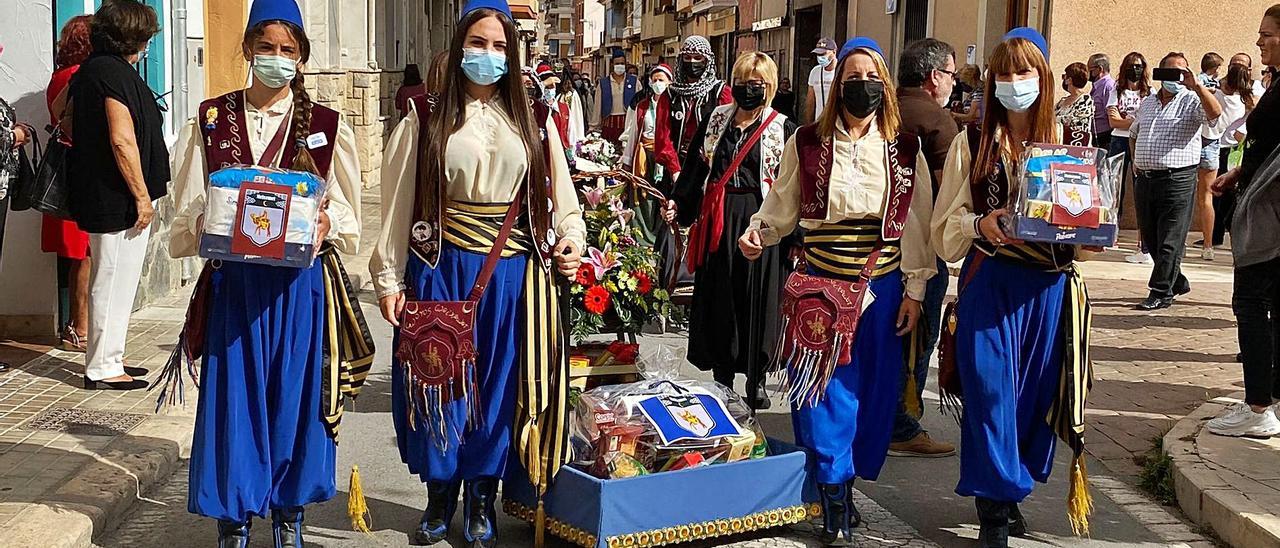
{"x": 1135, "y": 74}
{"x": 692, "y": 70}
{"x": 748, "y": 97}
{"x": 862, "y": 98}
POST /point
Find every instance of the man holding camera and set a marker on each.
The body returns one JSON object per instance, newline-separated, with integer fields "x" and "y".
{"x": 1167, "y": 151}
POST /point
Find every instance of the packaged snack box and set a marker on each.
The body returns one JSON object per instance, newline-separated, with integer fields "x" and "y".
{"x": 263, "y": 216}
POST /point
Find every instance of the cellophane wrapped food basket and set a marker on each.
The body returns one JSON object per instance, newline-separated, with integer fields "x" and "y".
{"x": 667, "y": 460}
{"x": 262, "y": 215}
{"x": 1067, "y": 195}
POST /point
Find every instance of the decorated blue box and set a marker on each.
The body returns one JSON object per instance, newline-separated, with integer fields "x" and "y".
{"x": 672, "y": 507}
{"x": 262, "y": 215}
{"x": 1067, "y": 195}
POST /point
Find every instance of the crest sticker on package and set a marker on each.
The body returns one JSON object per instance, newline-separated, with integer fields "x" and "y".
{"x": 688, "y": 415}
{"x": 260, "y": 220}
{"x": 1075, "y": 202}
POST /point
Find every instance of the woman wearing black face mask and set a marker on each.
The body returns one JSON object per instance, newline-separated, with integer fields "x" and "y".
{"x": 839, "y": 178}
{"x": 732, "y": 162}
{"x": 1122, "y": 107}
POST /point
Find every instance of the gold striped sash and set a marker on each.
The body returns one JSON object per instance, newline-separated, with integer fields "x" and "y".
{"x": 1066, "y": 416}
{"x": 474, "y": 227}
{"x": 348, "y": 345}
{"x": 1038, "y": 255}
{"x": 541, "y": 420}
{"x": 841, "y": 249}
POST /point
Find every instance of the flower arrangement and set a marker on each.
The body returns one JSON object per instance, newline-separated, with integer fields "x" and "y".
{"x": 617, "y": 288}
{"x": 596, "y": 154}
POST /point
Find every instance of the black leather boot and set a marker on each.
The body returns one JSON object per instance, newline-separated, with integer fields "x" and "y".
{"x": 1017, "y": 523}
{"x": 286, "y": 525}
{"x": 855, "y": 518}
{"x": 481, "y": 520}
{"x": 442, "y": 500}
{"x": 993, "y": 518}
{"x": 233, "y": 534}
{"x": 835, "y": 514}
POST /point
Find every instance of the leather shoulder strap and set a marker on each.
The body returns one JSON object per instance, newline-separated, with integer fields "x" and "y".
{"x": 495, "y": 253}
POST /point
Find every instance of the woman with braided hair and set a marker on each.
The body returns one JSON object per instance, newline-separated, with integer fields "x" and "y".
{"x": 263, "y": 442}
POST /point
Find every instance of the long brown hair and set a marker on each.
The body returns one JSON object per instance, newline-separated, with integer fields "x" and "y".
{"x": 1239, "y": 81}
{"x": 1144, "y": 83}
{"x": 450, "y": 114}
{"x": 302, "y": 104}
{"x": 887, "y": 117}
{"x": 1010, "y": 57}
{"x": 435, "y": 72}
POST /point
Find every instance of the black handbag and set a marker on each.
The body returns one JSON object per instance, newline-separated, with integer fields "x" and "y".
{"x": 46, "y": 191}
{"x": 24, "y": 178}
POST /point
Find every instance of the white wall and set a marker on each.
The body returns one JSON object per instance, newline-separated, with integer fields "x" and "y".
{"x": 592, "y": 24}
{"x": 27, "y": 276}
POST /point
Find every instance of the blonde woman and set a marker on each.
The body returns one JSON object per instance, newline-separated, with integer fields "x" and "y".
{"x": 732, "y": 162}
{"x": 838, "y": 179}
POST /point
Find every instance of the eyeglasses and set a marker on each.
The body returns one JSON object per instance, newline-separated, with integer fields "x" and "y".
{"x": 950, "y": 73}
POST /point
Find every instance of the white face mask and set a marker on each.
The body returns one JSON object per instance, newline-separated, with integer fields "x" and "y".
{"x": 659, "y": 87}
{"x": 619, "y": 69}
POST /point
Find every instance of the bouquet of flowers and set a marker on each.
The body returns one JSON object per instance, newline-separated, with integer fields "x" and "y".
{"x": 617, "y": 289}
{"x": 596, "y": 154}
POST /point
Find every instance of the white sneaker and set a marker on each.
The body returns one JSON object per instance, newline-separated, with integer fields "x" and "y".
{"x": 1138, "y": 258}
{"x": 1240, "y": 420}
{"x": 1207, "y": 254}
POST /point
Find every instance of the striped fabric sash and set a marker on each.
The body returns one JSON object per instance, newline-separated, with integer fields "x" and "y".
{"x": 541, "y": 421}
{"x": 474, "y": 227}
{"x": 1067, "y": 414}
{"x": 840, "y": 250}
{"x": 348, "y": 345}
{"x": 1038, "y": 255}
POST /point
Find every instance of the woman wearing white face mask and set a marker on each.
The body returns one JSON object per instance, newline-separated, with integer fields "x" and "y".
{"x": 1011, "y": 338}
{"x": 265, "y": 344}
{"x": 654, "y": 160}
{"x": 464, "y": 167}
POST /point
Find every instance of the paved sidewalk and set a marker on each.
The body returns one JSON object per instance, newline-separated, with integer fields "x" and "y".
{"x": 72, "y": 460}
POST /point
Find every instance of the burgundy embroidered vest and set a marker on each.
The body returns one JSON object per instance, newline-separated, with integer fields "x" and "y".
{"x": 426, "y": 235}
{"x": 817, "y": 158}
{"x": 561, "y": 116}
{"x": 992, "y": 193}
{"x": 225, "y": 130}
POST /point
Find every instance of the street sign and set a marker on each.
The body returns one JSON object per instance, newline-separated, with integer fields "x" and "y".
{"x": 766, "y": 24}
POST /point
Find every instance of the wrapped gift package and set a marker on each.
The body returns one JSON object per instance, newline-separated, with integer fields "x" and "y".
{"x": 1067, "y": 195}
{"x": 655, "y": 426}
{"x": 261, "y": 215}
{"x": 667, "y": 460}
{"x": 692, "y": 502}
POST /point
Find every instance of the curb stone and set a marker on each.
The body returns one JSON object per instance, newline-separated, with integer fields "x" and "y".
{"x": 96, "y": 498}
{"x": 1212, "y": 496}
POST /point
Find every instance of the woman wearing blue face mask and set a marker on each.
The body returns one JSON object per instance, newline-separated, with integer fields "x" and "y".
{"x": 563, "y": 107}
{"x": 454, "y": 169}
{"x": 1022, "y": 316}
{"x": 264, "y": 443}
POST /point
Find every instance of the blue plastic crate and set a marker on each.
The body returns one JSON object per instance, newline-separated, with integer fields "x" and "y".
{"x": 671, "y": 507}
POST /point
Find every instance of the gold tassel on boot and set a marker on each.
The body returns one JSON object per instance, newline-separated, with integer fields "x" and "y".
{"x": 1079, "y": 502}
{"x": 357, "y": 507}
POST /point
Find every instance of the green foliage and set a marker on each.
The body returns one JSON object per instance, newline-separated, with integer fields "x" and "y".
{"x": 1156, "y": 477}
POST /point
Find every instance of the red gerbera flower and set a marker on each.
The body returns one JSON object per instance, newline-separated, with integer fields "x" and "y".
{"x": 586, "y": 277}
{"x": 644, "y": 284}
{"x": 597, "y": 300}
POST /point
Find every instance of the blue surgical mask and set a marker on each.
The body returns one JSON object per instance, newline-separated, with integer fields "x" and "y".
{"x": 1173, "y": 88}
{"x": 1018, "y": 96}
{"x": 549, "y": 95}
{"x": 658, "y": 88}
{"x": 274, "y": 71}
{"x": 483, "y": 67}
{"x": 824, "y": 60}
